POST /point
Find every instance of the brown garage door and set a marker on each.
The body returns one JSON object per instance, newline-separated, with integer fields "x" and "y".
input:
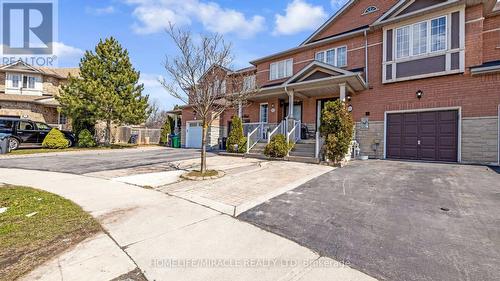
{"x": 429, "y": 135}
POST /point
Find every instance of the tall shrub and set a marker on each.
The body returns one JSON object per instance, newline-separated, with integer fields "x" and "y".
{"x": 236, "y": 137}
{"x": 55, "y": 140}
{"x": 165, "y": 131}
{"x": 85, "y": 139}
{"x": 337, "y": 128}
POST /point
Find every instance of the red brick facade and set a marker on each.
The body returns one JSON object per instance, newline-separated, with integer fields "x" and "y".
{"x": 477, "y": 96}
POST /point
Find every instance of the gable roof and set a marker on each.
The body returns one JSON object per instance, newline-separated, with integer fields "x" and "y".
{"x": 21, "y": 66}
{"x": 315, "y": 67}
{"x": 330, "y": 20}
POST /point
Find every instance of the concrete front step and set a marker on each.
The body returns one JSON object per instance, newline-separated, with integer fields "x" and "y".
{"x": 302, "y": 154}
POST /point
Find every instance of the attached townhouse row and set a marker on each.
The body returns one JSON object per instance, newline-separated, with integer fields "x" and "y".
{"x": 420, "y": 77}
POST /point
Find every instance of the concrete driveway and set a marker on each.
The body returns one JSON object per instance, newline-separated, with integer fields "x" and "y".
{"x": 396, "y": 220}
{"x": 86, "y": 162}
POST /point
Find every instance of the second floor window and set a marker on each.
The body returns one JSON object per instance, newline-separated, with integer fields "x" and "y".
{"x": 29, "y": 82}
{"x": 249, "y": 83}
{"x": 336, "y": 56}
{"x": 421, "y": 38}
{"x": 15, "y": 81}
{"x": 281, "y": 69}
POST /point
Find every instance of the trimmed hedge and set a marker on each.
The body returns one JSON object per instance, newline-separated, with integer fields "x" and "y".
{"x": 236, "y": 137}
{"x": 277, "y": 148}
{"x": 55, "y": 140}
{"x": 85, "y": 139}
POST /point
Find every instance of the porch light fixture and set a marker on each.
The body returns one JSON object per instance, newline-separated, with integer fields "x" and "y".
{"x": 349, "y": 108}
{"x": 348, "y": 98}
{"x": 419, "y": 94}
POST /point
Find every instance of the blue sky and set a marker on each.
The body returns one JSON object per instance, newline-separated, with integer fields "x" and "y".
{"x": 255, "y": 28}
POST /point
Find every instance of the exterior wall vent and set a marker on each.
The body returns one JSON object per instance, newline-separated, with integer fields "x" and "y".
{"x": 370, "y": 10}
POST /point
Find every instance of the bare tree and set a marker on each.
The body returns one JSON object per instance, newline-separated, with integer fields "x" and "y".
{"x": 157, "y": 116}
{"x": 198, "y": 77}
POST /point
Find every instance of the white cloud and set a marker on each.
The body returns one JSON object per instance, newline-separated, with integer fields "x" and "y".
{"x": 300, "y": 16}
{"x": 151, "y": 80}
{"x": 154, "y": 16}
{"x": 66, "y": 52}
{"x": 101, "y": 11}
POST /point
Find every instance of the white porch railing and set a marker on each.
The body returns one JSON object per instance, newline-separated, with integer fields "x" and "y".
{"x": 254, "y": 136}
{"x": 280, "y": 129}
{"x": 293, "y": 135}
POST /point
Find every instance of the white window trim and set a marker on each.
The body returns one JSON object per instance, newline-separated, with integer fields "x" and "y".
{"x": 284, "y": 71}
{"x": 366, "y": 12}
{"x": 260, "y": 112}
{"x": 429, "y": 41}
{"x": 336, "y": 55}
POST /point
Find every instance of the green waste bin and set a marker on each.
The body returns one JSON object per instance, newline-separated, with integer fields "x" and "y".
{"x": 176, "y": 142}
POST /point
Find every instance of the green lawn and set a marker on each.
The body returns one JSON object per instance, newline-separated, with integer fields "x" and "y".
{"x": 26, "y": 242}
{"x": 46, "y": 150}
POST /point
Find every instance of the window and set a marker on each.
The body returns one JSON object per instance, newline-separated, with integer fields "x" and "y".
{"x": 336, "y": 56}
{"x": 281, "y": 69}
{"x": 263, "y": 112}
{"x": 15, "y": 81}
{"x": 249, "y": 83}
{"x": 25, "y": 126}
{"x": 6, "y": 124}
{"x": 29, "y": 82}
{"x": 63, "y": 119}
{"x": 421, "y": 38}
{"x": 43, "y": 126}
{"x": 403, "y": 42}
{"x": 370, "y": 10}
{"x": 438, "y": 34}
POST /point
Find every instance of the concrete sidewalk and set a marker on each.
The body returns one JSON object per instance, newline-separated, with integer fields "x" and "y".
{"x": 172, "y": 239}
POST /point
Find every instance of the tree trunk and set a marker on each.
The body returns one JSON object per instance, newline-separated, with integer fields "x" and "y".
{"x": 203, "y": 167}
{"x": 107, "y": 138}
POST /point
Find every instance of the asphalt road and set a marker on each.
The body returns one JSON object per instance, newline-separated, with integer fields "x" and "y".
{"x": 89, "y": 162}
{"x": 396, "y": 220}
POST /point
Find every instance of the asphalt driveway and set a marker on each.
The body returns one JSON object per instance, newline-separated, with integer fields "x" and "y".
{"x": 396, "y": 220}
{"x": 96, "y": 161}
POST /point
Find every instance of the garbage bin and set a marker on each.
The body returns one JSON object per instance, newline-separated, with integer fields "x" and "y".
{"x": 134, "y": 138}
{"x": 170, "y": 142}
{"x": 4, "y": 143}
{"x": 224, "y": 144}
{"x": 176, "y": 142}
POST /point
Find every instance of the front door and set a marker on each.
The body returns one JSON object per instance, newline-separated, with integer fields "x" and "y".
{"x": 320, "y": 105}
{"x": 264, "y": 118}
{"x": 297, "y": 111}
{"x": 28, "y": 133}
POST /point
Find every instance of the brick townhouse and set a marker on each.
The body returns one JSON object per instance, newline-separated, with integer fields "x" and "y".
{"x": 29, "y": 92}
{"x": 420, "y": 77}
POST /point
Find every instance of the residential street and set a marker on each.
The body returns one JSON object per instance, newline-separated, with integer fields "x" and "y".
{"x": 97, "y": 161}
{"x": 396, "y": 220}
{"x": 169, "y": 238}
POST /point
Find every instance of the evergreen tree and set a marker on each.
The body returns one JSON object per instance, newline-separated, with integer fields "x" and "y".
{"x": 236, "y": 137}
{"x": 107, "y": 89}
{"x": 165, "y": 131}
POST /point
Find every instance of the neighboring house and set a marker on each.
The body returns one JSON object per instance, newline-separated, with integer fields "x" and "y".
{"x": 29, "y": 92}
{"x": 421, "y": 78}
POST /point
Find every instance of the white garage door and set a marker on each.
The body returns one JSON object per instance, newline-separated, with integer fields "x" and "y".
{"x": 193, "y": 135}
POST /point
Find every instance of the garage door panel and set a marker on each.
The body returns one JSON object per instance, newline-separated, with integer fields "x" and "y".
{"x": 430, "y": 135}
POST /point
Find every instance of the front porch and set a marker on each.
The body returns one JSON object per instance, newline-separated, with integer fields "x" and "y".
{"x": 307, "y": 91}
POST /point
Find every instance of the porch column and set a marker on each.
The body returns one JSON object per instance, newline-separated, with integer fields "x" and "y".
{"x": 240, "y": 110}
{"x": 290, "y": 104}
{"x": 343, "y": 89}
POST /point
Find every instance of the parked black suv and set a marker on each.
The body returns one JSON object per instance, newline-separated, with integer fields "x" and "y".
{"x": 28, "y": 133}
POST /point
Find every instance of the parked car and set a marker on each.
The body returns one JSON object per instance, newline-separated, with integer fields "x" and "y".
{"x": 26, "y": 133}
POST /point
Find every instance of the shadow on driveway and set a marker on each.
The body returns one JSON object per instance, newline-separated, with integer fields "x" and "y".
{"x": 396, "y": 220}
